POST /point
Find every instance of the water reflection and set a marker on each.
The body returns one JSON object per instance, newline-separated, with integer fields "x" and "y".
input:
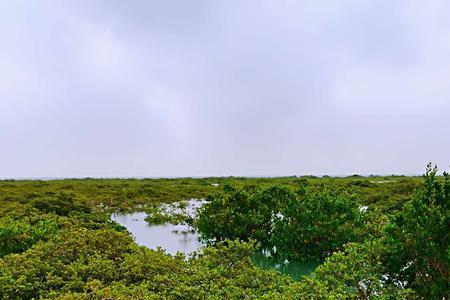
{"x": 181, "y": 238}
{"x": 172, "y": 238}
{"x": 296, "y": 269}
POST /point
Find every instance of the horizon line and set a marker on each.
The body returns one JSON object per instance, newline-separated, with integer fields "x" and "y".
{"x": 48, "y": 178}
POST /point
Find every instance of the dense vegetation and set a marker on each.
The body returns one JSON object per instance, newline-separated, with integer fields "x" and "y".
{"x": 404, "y": 251}
{"x": 296, "y": 223}
{"x": 128, "y": 194}
{"x": 57, "y": 241}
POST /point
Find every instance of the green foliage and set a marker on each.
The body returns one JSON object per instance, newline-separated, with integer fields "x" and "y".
{"x": 130, "y": 194}
{"x": 358, "y": 273}
{"x": 57, "y": 242}
{"x": 299, "y": 224}
{"x": 65, "y": 263}
{"x": 98, "y": 264}
{"x": 174, "y": 213}
{"x": 316, "y": 225}
{"x": 418, "y": 239}
{"x": 62, "y": 204}
{"x": 238, "y": 214}
{"x": 18, "y": 235}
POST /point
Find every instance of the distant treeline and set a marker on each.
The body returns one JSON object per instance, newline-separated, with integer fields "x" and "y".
{"x": 126, "y": 194}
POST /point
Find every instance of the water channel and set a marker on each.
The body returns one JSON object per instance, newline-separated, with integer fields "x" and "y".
{"x": 181, "y": 238}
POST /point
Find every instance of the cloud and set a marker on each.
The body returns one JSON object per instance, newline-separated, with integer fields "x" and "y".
{"x": 151, "y": 88}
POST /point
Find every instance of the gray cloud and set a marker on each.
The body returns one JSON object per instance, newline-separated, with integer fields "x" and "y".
{"x": 176, "y": 88}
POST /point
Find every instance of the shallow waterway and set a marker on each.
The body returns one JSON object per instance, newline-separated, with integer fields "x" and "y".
{"x": 172, "y": 238}
{"x": 180, "y": 238}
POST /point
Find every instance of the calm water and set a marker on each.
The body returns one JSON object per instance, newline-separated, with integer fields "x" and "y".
{"x": 180, "y": 238}
{"x": 295, "y": 269}
{"x": 173, "y": 238}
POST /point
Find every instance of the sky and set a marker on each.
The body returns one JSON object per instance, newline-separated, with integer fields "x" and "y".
{"x": 217, "y": 88}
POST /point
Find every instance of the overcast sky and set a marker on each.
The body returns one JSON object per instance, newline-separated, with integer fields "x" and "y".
{"x": 196, "y": 88}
